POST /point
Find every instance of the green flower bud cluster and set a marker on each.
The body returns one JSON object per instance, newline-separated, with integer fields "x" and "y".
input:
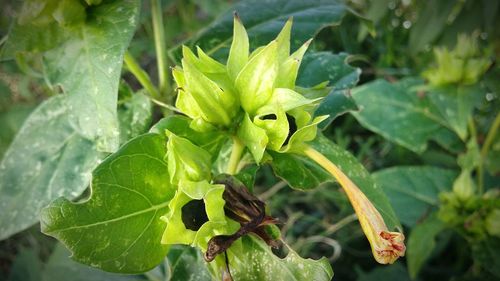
{"x": 253, "y": 96}
{"x": 472, "y": 215}
{"x": 197, "y": 209}
{"x": 463, "y": 65}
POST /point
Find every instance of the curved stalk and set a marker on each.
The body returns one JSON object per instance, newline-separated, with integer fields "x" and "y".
{"x": 141, "y": 75}
{"x": 234, "y": 159}
{"x": 486, "y": 148}
{"x": 386, "y": 246}
{"x": 159, "y": 37}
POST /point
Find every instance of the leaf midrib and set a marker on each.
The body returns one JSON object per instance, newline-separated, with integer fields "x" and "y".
{"x": 152, "y": 208}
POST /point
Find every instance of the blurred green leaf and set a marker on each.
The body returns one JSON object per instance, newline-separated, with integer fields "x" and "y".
{"x": 47, "y": 159}
{"x": 455, "y": 104}
{"x": 485, "y": 252}
{"x": 134, "y": 116}
{"x": 264, "y": 23}
{"x": 10, "y": 122}
{"x": 422, "y": 242}
{"x": 302, "y": 173}
{"x": 118, "y": 228}
{"x": 413, "y": 191}
{"x": 394, "y": 272}
{"x": 186, "y": 263}
{"x": 430, "y": 23}
{"x": 60, "y": 267}
{"x": 398, "y": 113}
{"x": 26, "y": 267}
{"x": 256, "y": 261}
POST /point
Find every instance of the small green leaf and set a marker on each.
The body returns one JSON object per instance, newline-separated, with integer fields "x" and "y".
{"x": 422, "y": 242}
{"x": 256, "y": 261}
{"x": 118, "y": 228}
{"x": 47, "y": 159}
{"x": 394, "y": 110}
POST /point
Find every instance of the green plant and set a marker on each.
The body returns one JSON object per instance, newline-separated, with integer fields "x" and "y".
{"x": 181, "y": 175}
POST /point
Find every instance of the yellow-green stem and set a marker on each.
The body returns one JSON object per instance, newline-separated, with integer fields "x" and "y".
{"x": 486, "y": 148}
{"x": 234, "y": 159}
{"x": 141, "y": 75}
{"x": 161, "y": 50}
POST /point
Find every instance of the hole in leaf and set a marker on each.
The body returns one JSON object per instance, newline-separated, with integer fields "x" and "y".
{"x": 269, "y": 117}
{"x": 194, "y": 214}
{"x": 292, "y": 128}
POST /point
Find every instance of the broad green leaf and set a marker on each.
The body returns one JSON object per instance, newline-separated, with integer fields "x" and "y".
{"x": 256, "y": 261}
{"x": 302, "y": 173}
{"x": 60, "y": 267}
{"x": 395, "y": 110}
{"x": 455, "y": 105}
{"x": 422, "y": 242}
{"x": 118, "y": 228}
{"x": 46, "y": 159}
{"x": 264, "y": 24}
{"x": 87, "y": 66}
{"x": 394, "y": 272}
{"x": 413, "y": 191}
{"x": 134, "y": 116}
{"x": 324, "y": 66}
{"x": 186, "y": 263}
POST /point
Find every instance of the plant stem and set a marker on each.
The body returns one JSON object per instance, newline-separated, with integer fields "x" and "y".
{"x": 473, "y": 137}
{"x": 141, "y": 75}
{"x": 161, "y": 50}
{"x": 234, "y": 159}
{"x": 492, "y": 132}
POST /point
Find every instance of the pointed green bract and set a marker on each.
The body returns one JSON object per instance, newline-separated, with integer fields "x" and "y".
{"x": 254, "y": 138}
{"x": 209, "y": 97}
{"x": 186, "y": 160}
{"x": 238, "y": 54}
{"x": 283, "y": 40}
{"x": 255, "y": 82}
